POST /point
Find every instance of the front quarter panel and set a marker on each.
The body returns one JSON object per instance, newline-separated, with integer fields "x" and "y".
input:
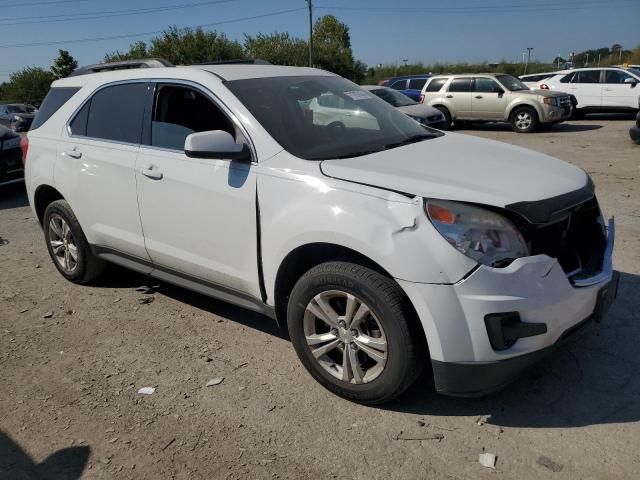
{"x": 300, "y": 206}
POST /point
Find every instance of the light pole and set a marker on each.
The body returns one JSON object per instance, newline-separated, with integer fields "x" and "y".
{"x": 528, "y": 58}
{"x": 310, "y": 32}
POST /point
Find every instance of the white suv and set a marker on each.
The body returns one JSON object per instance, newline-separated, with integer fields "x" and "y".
{"x": 383, "y": 246}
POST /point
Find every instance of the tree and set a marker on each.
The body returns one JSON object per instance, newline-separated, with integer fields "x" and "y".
{"x": 63, "y": 65}
{"x": 137, "y": 50}
{"x": 332, "y": 46}
{"x": 277, "y": 48}
{"x": 187, "y": 46}
{"x": 29, "y": 85}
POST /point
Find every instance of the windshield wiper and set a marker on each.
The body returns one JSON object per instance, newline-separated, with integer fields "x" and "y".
{"x": 357, "y": 154}
{"x": 412, "y": 139}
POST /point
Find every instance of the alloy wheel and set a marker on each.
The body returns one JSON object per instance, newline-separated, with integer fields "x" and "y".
{"x": 523, "y": 120}
{"x": 63, "y": 245}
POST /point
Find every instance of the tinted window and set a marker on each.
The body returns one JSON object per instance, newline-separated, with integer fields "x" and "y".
{"x": 436, "y": 84}
{"x": 417, "y": 83}
{"x": 485, "y": 85}
{"x": 460, "y": 85}
{"x": 180, "y": 111}
{"x": 536, "y": 78}
{"x": 52, "y": 103}
{"x": 397, "y": 99}
{"x": 399, "y": 84}
{"x": 116, "y": 113}
{"x": 615, "y": 76}
{"x": 78, "y": 125}
{"x": 587, "y": 76}
{"x": 567, "y": 78}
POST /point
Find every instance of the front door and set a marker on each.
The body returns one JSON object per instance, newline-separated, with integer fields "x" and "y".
{"x": 198, "y": 215}
{"x": 616, "y": 93}
{"x": 488, "y": 101}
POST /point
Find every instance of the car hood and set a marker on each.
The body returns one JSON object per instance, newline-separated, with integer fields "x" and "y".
{"x": 541, "y": 93}
{"x": 464, "y": 168}
{"x": 419, "y": 110}
{"x": 26, "y": 116}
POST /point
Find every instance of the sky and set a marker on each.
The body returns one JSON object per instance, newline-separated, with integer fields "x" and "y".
{"x": 381, "y": 31}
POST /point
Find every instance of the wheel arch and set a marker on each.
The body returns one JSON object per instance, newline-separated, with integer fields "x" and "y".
{"x": 43, "y": 196}
{"x": 513, "y": 107}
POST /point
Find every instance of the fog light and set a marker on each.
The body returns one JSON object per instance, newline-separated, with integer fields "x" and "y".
{"x": 504, "y": 329}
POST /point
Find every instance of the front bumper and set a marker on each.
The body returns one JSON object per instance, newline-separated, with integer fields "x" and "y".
{"x": 553, "y": 114}
{"x": 453, "y": 316}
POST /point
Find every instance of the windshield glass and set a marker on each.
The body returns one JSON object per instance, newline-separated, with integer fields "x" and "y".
{"x": 511, "y": 83}
{"x": 17, "y": 109}
{"x": 392, "y": 97}
{"x": 323, "y": 117}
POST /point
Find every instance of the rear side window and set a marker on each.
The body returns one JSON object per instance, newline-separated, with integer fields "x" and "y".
{"x": 435, "y": 85}
{"x": 399, "y": 85}
{"x": 417, "y": 83}
{"x": 460, "y": 85}
{"x": 587, "y": 76}
{"x": 113, "y": 113}
{"x": 55, "y": 99}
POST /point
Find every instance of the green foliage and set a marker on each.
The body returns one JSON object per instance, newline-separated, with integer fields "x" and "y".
{"x": 63, "y": 65}
{"x": 332, "y": 46}
{"x": 136, "y": 50}
{"x": 29, "y": 85}
{"x": 277, "y": 48}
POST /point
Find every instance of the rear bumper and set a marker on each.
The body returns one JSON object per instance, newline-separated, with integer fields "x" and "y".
{"x": 634, "y": 132}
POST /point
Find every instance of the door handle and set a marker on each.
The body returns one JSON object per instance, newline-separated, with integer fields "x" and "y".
{"x": 478, "y": 96}
{"x": 75, "y": 153}
{"x": 449, "y": 96}
{"x": 152, "y": 172}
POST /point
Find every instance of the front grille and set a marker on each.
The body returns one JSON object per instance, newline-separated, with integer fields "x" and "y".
{"x": 577, "y": 240}
{"x": 564, "y": 102}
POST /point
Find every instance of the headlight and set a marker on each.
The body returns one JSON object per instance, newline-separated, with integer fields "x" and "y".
{"x": 551, "y": 101}
{"x": 483, "y": 235}
{"x": 17, "y": 118}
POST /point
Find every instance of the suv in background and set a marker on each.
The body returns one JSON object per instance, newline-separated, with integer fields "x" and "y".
{"x": 495, "y": 98}
{"x": 17, "y": 116}
{"x": 11, "y": 168}
{"x": 384, "y": 247}
{"x": 607, "y": 89}
{"x": 410, "y": 85}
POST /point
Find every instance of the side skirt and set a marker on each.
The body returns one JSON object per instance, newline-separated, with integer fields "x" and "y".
{"x": 184, "y": 280}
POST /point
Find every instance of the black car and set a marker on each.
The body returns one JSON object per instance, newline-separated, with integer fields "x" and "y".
{"x": 17, "y": 116}
{"x": 11, "y": 167}
{"x": 635, "y": 131}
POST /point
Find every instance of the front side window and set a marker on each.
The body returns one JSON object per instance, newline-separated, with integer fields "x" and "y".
{"x": 179, "y": 111}
{"x": 436, "y": 84}
{"x": 291, "y": 110}
{"x": 417, "y": 83}
{"x": 511, "y": 83}
{"x": 399, "y": 85}
{"x": 587, "y": 76}
{"x": 113, "y": 113}
{"x": 485, "y": 85}
{"x": 615, "y": 76}
{"x": 460, "y": 85}
{"x": 393, "y": 97}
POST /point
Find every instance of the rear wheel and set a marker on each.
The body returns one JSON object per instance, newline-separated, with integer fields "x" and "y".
{"x": 524, "y": 120}
{"x": 447, "y": 117}
{"x": 67, "y": 245}
{"x": 352, "y": 331}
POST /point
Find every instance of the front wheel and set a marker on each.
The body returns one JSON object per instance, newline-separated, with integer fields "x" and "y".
{"x": 352, "y": 329}
{"x": 447, "y": 117}
{"x": 524, "y": 120}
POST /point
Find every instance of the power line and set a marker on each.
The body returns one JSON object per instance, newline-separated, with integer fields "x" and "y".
{"x": 142, "y": 34}
{"x": 105, "y": 14}
{"x": 52, "y": 2}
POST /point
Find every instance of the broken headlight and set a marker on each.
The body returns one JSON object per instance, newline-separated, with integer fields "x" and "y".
{"x": 483, "y": 235}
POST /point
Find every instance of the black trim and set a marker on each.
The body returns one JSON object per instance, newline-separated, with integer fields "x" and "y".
{"x": 243, "y": 155}
{"x": 263, "y": 290}
{"x": 184, "y": 280}
{"x": 147, "y": 116}
{"x": 553, "y": 209}
{"x": 634, "y": 133}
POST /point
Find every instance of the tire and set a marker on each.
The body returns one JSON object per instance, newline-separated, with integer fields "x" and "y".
{"x": 66, "y": 235}
{"x": 447, "y": 117}
{"x": 388, "y": 319}
{"x": 524, "y": 120}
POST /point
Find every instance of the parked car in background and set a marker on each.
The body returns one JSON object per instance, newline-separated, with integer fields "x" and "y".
{"x": 11, "y": 167}
{"x": 410, "y": 85}
{"x": 17, "y": 116}
{"x": 382, "y": 246}
{"x": 534, "y": 79}
{"x": 423, "y": 114}
{"x": 488, "y": 97}
{"x": 606, "y": 89}
{"x": 634, "y": 132}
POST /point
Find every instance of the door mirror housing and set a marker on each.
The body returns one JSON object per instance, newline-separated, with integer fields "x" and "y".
{"x": 500, "y": 91}
{"x": 632, "y": 81}
{"x": 216, "y": 144}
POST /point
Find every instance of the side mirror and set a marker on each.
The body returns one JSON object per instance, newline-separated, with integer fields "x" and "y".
{"x": 500, "y": 91}
{"x": 632, "y": 81}
{"x": 216, "y": 144}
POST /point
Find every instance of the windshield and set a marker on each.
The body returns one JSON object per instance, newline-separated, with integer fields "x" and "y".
{"x": 511, "y": 83}
{"x": 323, "y": 117}
{"x": 392, "y": 97}
{"x": 17, "y": 109}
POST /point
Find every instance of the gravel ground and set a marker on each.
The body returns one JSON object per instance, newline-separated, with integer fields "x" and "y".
{"x": 72, "y": 359}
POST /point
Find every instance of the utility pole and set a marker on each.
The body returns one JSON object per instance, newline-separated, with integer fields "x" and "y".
{"x": 528, "y": 58}
{"x": 310, "y": 33}
{"x": 620, "y": 55}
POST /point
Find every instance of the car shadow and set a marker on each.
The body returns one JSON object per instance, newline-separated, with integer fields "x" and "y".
{"x": 13, "y": 196}
{"x": 65, "y": 464}
{"x": 592, "y": 379}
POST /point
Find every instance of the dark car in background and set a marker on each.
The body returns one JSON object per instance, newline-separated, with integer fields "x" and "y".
{"x": 410, "y": 85}
{"x": 17, "y": 116}
{"x": 11, "y": 166}
{"x": 635, "y": 131}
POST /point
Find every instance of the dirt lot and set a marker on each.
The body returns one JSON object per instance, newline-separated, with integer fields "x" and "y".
{"x": 68, "y": 383}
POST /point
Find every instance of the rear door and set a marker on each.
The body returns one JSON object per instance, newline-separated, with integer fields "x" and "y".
{"x": 459, "y": 97}
{"x": 96, "y": 167}
{"x": 616, "y": 93}
{"x": 488, "y": 101}
{"x": 585, "y": 86}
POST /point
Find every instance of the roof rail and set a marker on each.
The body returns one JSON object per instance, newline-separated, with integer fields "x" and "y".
{"x": 123, "y": 65}
{"x": 242, "y": 61}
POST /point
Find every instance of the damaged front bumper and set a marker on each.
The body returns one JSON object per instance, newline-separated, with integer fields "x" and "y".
{"x": 541, "y": 307}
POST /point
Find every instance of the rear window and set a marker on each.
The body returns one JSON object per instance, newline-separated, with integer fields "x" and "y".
{"x": 399, "y": 85}
{"x": 55, "y": 99}
{"x": 113, "y": 113}
{"x": 435, "y": 85}
{"x": 460, "y": 85}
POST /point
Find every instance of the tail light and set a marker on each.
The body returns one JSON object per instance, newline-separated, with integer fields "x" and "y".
{"x": 544, "y": 86}
{"x": 24, "y": 146}
{"x": 422, "y": 98}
